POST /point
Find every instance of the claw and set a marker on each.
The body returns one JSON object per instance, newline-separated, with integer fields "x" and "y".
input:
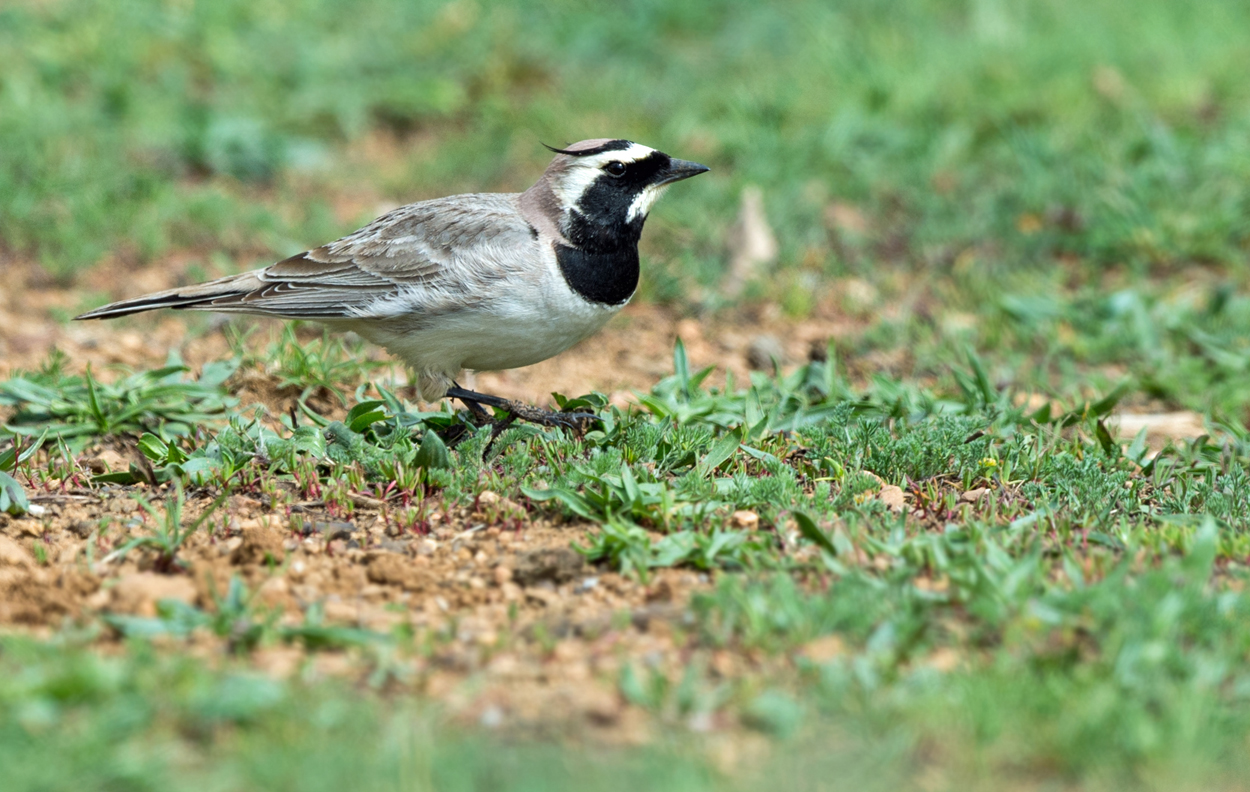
{"x": 574, "y": 421}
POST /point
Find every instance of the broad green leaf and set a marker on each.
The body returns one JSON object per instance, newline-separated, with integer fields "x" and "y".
{"x": 630, "y": 485}
{"x": 12, "y": 496}
{"x": 1105, "y": 440}
{"x": 20, "y": 452}
{"x": 681, "y": 367}
{"x": 153, "y": 447}
{"x": 309, "y": 440}
{"x": 123, "y": 477}
{"x": 364, "y": 415}
{"x": 722, "y": 450}
{"x": 812, "y": 533}
{"x": 433, "y": 452}
{"x": 1107, "y": 403}
{"x": 576, "y": 503}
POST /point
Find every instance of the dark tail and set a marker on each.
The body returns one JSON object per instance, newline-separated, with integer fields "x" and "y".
{"x": 201, "y": 296}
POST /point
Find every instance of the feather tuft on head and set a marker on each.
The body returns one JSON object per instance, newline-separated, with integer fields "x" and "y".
{"x": 587, "y": 148}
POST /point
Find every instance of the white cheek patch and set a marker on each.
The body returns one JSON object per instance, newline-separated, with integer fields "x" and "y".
{"x": 644, "y": 201}
{"x": 574, "y": 183}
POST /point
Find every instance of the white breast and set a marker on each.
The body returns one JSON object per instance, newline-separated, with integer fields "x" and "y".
{"x": 524, "y": 318}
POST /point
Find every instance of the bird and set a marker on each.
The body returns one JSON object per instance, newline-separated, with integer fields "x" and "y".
{"x": 479, "y": 282}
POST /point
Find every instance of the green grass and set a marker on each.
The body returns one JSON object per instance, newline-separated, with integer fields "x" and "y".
{"x": 73, "y": 720}
{"x": 1129, "y": 119}
{"x": 1045, "y": 197}
{"x": 1094, "y": 610}
{"x": 1135, "y": 680}
{"x": 68, "y": 408}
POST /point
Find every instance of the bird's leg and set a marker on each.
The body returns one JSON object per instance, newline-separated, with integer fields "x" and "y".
{"x": 456, "y": 434}
{"x": 496, "y": 430}
{"x": 474, "y": 407}
{"x": 578, "y": 422}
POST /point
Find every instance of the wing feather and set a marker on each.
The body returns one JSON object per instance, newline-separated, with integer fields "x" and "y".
{"x": 425, "y": 252}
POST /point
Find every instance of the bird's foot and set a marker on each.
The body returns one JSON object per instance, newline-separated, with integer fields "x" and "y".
{"x": 578, "y": 422}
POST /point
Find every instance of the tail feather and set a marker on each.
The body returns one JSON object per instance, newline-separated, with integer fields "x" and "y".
{"x": 198, "y": 296}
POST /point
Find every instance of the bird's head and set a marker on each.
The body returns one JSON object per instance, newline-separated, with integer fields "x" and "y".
{"x": 603, "y": 189}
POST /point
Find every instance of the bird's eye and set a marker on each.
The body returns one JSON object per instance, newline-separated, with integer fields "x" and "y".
{"x": 615, "y": 168}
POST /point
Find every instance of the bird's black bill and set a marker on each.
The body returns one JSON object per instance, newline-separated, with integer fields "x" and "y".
{"x": 681, "y": 169}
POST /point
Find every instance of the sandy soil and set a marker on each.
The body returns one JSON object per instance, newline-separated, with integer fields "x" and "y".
{"x": 512, "y": 627}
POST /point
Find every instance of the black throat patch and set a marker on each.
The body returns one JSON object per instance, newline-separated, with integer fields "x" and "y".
{"x": 609, "y": 278}
{"x": 601, "y": 264}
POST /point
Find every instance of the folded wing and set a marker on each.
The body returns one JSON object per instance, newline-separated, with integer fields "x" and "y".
{"x": 429, "y": 252}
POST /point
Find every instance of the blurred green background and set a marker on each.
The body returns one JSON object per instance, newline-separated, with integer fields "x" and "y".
{"x": 1058, "y": 184}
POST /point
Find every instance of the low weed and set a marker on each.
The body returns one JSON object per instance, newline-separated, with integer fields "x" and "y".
{"x": 75, "y": 409}
{"x": 171, "y": 532}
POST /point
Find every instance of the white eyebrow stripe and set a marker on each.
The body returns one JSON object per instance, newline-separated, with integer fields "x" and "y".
{"x": 635, "y": 152}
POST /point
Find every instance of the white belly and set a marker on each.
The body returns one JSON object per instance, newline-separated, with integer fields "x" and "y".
{"x": 519, "y": 336}
{"x": 521, "y": 329}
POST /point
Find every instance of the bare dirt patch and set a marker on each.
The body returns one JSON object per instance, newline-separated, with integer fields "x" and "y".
{"x": 507, "y": 627}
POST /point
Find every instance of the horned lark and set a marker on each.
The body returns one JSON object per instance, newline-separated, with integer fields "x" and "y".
{"x": 485, "y": 282}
